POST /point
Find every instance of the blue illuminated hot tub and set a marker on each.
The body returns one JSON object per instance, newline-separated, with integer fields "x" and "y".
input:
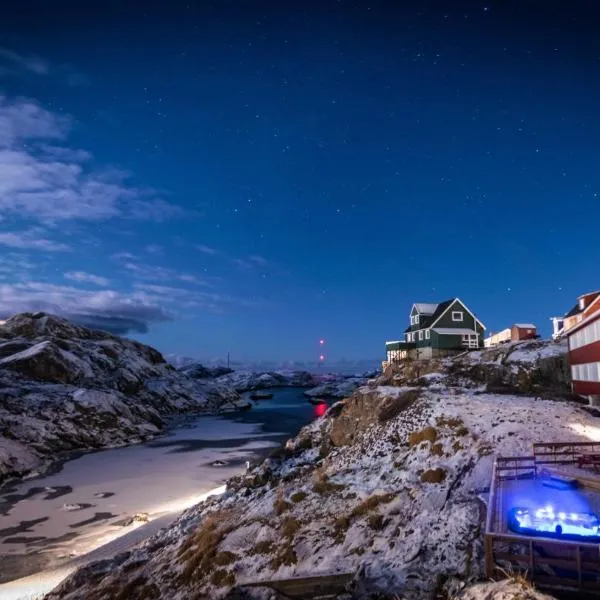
{"x": 554, "y": 523}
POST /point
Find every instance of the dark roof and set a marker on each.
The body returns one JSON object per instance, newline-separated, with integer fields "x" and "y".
{"x": 425, "y": 321}
{"x": 442, "y": 306}
{"x": 574, "y": 311}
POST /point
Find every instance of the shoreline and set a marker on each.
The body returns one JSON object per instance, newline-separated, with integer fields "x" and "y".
{"x": 38, "y": 584}
{"x": 104, "y": 539}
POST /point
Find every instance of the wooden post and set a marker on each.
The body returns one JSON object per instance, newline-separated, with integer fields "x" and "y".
{"x": 578, "y": 558}
{"x": 531, "y": 564}
{"x": 489, "y": 556}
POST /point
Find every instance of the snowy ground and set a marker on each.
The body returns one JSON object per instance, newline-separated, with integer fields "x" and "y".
{"x": 398, "y": 503}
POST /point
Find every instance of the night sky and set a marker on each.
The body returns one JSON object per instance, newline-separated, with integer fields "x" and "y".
{"x": 254, "y": 176}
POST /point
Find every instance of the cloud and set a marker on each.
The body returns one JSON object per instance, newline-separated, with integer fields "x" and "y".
{"x": 193, "y": 298}
{"x": 161, "y": 274}
{"x": 34, "y": 64}
{"x": 250, "y": 262}
{"x": 123, "y": 256}
{"x": 258, "y": 260}
{"x": 111, "y": 311}
{"x": 86, "y": 277}
{"x": 207, "y": 249}
{"x": 44, "y": 180}
{"x": 30, "y": 240}
{"x": 17, "y": 63}
{"x": 153, "y": 249}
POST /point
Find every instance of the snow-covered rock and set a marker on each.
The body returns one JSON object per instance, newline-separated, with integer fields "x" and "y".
{"x": 387, "y": 485}
{"x": 502, "y": 590}
{"x": 342, "y": 388}
{"x": 200, "y": 371}
{"x": 245, "y": 381}
{"x": 64, "y": 387}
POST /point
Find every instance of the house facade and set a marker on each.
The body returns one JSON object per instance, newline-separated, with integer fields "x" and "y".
{"x": 562, "y": 325}
{"x": 437, "y": 330}
{"x": 584, "y": 352}
{"x": 518, "y": 332}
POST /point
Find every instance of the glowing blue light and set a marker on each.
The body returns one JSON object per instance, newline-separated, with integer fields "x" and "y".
{"x": 549, "y": 523}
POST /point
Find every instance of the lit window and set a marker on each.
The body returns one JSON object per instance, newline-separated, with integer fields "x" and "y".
{"x": 457, "y": 315}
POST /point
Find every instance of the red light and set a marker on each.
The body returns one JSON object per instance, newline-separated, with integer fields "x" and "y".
{"x": 320, "y": 410}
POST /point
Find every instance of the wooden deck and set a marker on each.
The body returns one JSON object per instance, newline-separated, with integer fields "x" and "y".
{"x": 550, "y": 563}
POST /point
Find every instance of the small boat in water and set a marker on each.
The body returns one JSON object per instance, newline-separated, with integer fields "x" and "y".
{"x": 261, "y": 396}
{"x": 317, "y": 401}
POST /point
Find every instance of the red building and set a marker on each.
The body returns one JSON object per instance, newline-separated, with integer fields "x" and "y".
{"x": 584, "y": 351}
{"x": 523, "y": 331}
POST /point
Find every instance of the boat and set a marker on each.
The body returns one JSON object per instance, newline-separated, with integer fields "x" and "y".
{"x": 317, "y": 401}
{"x": 261, "y": 396}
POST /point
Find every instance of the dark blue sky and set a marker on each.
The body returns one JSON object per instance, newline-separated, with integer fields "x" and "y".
{"x": 252, "y": 176}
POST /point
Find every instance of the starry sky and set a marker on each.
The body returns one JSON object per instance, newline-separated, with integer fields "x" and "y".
{"x": 254, "y": 176}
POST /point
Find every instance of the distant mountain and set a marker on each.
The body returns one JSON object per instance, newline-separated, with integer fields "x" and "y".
{"x": 343, "y": 366}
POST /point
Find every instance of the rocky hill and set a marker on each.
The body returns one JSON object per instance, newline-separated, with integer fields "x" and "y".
{"x": 388, "y": 486}
{"x": 65, "y": 388}
{"x": 245, "y": 381}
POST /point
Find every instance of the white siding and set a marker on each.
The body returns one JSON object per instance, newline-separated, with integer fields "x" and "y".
{"x": 586, "y": 335}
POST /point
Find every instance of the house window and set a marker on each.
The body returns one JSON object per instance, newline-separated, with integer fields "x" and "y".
{"x": 421, "y": 335}
{"x": 470, "y": 340}
{"x": 457, "y": 315}
{"x": 427, "y": 334}
{"x": 416, "y": 319}
{"x": 408, "y": 337}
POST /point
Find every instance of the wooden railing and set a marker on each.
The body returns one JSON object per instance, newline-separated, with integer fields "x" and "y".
{"x": 548, "y": 562}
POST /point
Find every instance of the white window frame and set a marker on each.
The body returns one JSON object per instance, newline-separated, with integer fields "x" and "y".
{"x": 458, "y": 312}
{"x": 420, "y": 335}
{"x": 470, "y": 340}
{"x": 408, "y": 337}
{"x": 428, "y": 334}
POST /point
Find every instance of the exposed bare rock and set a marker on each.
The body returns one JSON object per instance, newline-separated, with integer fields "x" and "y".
{"x": 64, "y": 387}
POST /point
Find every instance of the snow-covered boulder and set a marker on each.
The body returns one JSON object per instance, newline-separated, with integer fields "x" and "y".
{"x": 64, "y": 387}
{"x": 502, "y": 590}
{"x": 342, "y": 388}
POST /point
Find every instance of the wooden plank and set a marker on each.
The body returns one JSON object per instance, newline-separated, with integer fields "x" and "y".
{"x": 547, "y": 581}
{"x": 489, "y": 556}
{"x": 564, "y": 444}
{"x": 539, "y": 541}
{"x": 317, "y": 586}
{"x": 564, "y": 563}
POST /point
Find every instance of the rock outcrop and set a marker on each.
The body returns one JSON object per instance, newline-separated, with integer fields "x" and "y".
{"x": 336, "y": 387}
{"x": 246, "y": 381}
{"x": 64, "y": 387}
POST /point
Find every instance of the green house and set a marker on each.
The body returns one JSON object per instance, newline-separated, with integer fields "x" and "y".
{"x": 437, "y": 330}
